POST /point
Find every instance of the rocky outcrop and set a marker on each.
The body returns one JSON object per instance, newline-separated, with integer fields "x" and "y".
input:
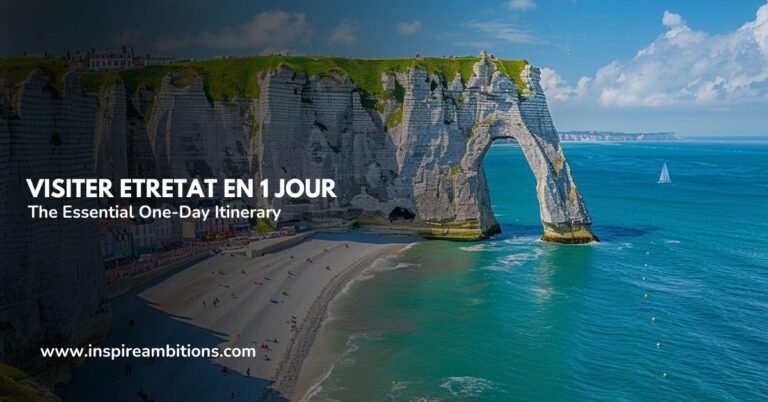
{"x": 421, "y": 155}
{"x": 408, "y": 160}
{"x": 52, "y": 286}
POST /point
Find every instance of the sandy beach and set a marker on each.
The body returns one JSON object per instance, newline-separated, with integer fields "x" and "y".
{"x": 280, "y": 296}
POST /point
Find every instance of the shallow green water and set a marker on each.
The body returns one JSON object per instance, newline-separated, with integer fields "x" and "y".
{"x": 513, "y": 318}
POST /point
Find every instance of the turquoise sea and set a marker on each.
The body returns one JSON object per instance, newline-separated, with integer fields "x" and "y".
{"x": 672, "y": 305}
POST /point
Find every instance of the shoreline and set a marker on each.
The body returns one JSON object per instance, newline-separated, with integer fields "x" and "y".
{"x": 274, "y": 303}
{"x": 291, "y": 367}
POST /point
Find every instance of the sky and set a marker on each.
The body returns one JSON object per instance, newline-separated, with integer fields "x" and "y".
{"x": 693, "y": 67}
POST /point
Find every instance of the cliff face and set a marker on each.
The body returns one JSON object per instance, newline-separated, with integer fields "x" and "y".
{"x": 406, "y": 159}
{"x": 52, "y": 286}
{"x": 410, "y": 165}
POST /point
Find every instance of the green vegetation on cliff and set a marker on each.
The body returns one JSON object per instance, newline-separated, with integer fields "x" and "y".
{"x": 395, "y": 119}
{"x": 513, "y": 69}
{"x": 94, "y": 82}
{"x": 14, "y": 70}
{"x": 226, "y": 79}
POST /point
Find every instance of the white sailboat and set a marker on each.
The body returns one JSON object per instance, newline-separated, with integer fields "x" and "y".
{"x": 664, "y": 177}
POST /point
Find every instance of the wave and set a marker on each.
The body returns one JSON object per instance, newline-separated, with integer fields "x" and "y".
{"x": 397, "y": 387}
{"x": 467, "y": 386}
{"x": 475, "y": 301}
{"x": 543, "y": 293}
{"x": 351, "y": 347}
{"x": 479, "y": 247}
{"x": 403, "y": 265}
{"x": 624, "y": 245}
{"x": 510, "y": 261}
{"x": 519, "y": 259}
{"x": 523, "y": 240}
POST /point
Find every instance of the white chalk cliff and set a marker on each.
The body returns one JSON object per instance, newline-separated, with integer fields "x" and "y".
{"x": 429, "y": 164}
{"x": 412, "y": 164}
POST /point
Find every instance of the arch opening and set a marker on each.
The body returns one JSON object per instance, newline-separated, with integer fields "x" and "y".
{"x": 401, "y": 214}
{"x": 511, "y": 189}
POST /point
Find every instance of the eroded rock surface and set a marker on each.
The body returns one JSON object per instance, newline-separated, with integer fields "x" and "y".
{"x": 422, "y": 155}
{"x": 408, "y": 163}
{"x": 52, "y": 286}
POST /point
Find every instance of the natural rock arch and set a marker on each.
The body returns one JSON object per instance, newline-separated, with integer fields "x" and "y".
{"x": 446, "y": 159}
{"x": 563, "y": 214}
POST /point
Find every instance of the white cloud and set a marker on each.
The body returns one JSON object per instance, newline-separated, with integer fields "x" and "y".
{"x": 270, "y": 29}
{"x": 344, "y": 34}
{"x": 408, "y": 28}
{"x": 521, "y": 4}
{"x": 672, "y": 20}
{"x": 503, "y": 31}
{"x": 682, "y": 67}
{"x": 556, "y": 88}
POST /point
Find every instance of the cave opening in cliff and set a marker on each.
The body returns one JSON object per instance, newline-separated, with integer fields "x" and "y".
{"x": 400, "y": 213}
{"x": 512, "y": 188}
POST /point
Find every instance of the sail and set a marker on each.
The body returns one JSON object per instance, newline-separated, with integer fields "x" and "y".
{"x": 664, "y": 177}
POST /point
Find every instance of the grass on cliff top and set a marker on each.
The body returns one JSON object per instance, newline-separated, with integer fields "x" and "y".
{"x": 225, "y": 79}
{"x": 11, "y": 387}
{"x": 14, "y": 70}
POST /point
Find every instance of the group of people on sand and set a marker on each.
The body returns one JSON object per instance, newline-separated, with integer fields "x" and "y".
{"x": 215, "y": 302}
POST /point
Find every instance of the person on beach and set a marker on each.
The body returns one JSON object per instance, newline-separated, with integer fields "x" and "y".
{"x": 248, "y": 372}
{"x": 204, "y": 305}
{"x": 327, "y": 267}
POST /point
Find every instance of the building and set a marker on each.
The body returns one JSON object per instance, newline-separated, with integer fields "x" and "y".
{"x": 116, "y": 242}
{"x": 238, "y": 226}
{"x": 157, "y": 60}
{"x": 168, "y": 232}
{"x": 109, "y": 59}
{"x": 144, "y": 236}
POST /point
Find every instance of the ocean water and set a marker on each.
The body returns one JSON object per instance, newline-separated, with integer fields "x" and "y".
{"x": 672, "y": 305}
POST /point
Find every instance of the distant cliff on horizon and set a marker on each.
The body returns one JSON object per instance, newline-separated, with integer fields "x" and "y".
{"x": 594, "y": 136}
